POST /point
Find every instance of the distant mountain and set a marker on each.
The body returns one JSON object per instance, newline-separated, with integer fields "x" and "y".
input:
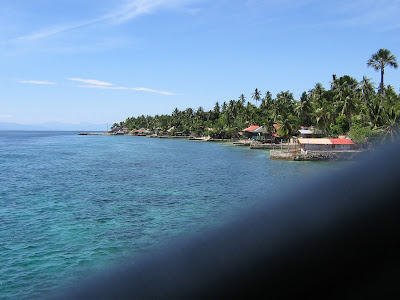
{"x": 74, "y": 127}
{"x": 53, "y": 126}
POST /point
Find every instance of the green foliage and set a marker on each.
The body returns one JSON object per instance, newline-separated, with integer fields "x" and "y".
{"x": 288, "y": 125}
{"x": 362, "y": 134}
{"x": 207, "y": 133}
{"x": 341, "y": 127}
{"x": 347, "y": 107}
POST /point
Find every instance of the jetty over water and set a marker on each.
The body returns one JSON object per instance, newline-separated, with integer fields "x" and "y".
{"x": 90, "y": 133}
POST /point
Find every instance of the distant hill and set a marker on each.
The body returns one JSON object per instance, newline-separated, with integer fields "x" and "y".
{"x": 53, "y": 126}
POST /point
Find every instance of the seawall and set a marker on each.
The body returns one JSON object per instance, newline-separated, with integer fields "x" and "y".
{"x": 274, "y": 146}
{"x": 314, "y": 155}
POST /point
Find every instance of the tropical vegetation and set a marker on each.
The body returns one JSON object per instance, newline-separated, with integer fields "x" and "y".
{"x": 348, "y": 107}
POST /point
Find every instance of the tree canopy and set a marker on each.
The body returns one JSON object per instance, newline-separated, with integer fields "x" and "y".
{"x": 348, "y": 107}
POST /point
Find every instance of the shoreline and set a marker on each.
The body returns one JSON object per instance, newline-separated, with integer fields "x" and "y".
{"x": 288, "y": 152}
{"x": 189, "y": 138}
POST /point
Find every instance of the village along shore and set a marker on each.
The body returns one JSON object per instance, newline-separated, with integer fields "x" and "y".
{"x": 350, "y": 108}
{"x": 308, "y": 145}
{"x": 324, "y": 123}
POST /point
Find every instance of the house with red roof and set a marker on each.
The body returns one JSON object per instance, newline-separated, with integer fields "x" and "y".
{"x": 251, "y": 128}
{"x": 140, "y": 132}
{"x": 260, "y": 133}
{"x": 325, "y": 144}
{"x": 252, "y": 131}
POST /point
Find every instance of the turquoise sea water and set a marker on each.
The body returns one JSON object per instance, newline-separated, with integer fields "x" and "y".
{"x": 71, "y": 205}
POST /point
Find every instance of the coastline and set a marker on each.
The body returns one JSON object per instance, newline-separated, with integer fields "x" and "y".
{"x": 288, "y": 152}
{"x": 189, "y": 138}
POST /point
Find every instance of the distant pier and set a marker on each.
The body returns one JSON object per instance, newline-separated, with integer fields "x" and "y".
{"x": 91, "y": 133}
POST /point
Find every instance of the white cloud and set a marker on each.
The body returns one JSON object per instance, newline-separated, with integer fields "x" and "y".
{"x": 55, "y": 30}
{"x": 97, "y": 84}
{"x": 129, "y": 10}
{"x": 134, "y": 8}
{"x": 6, "y": 116}
{"x": 142, "y": 89}
{"x": 36, "y": 82}
{"x": 91, "y": 82}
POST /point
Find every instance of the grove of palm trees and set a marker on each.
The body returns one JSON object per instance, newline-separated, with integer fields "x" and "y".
{"x": 352, "y": 107}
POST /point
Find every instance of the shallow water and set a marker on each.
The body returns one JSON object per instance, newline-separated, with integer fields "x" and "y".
{"x": 71, "y": 205}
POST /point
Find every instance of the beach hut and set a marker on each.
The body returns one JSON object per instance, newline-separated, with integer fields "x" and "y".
{"x": 137, "y": 132}
{"x": 324, "y": 144}
{"x": 252, "y": 131}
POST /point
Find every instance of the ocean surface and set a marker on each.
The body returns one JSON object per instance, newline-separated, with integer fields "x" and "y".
{"x": 71, "y": 206}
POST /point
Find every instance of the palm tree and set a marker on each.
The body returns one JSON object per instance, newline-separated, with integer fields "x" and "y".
{"x": 284, "y": 102}
{"x": 288, "y": 124}
{"x": 266, "y": 102}
{"x": 302, "y": 110}
{"x": 316, "y": 94}
{"x": 345, "y": 95}
{"x": 391, "y": 97}
{"x": 391, "y": 128}
{"x": 216, "y": 111}
{"x": 256, "y": 96}
{"x": 379, "y": 61}
{"x": 175, "y": 113}
{"x": 375, "y": 112}
{"x": 366, "y": 88}
{"x": 242, "y": 98}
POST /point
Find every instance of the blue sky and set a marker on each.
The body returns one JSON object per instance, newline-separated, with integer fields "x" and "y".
{"x": 101, "y": 61}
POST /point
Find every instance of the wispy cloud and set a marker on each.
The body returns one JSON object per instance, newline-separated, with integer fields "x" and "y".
{"x": 97, "y": 84}
{"x": 133, "y": 9}
{"x": 36, "y": 82}
{"x": 56, "y": 30}
{"x": 129, "y": 10}
{"x": 142, "y": 89}
{"x": 91, "y": 81}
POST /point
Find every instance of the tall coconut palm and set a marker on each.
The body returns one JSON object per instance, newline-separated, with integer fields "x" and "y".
{"x": 266, "y": 102}
{"x": 242, "y": 98}
{"x": 303, "y": 110}
{"x": 284, "y": 102}
{"x": 216, "y": 111}
{"x": 379, "y": 61}
{"x": 366, "y": 88}
{"x": 256, "y": 96}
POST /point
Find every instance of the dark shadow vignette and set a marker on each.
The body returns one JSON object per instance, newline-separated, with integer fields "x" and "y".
{"x": 336, "y": 237}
